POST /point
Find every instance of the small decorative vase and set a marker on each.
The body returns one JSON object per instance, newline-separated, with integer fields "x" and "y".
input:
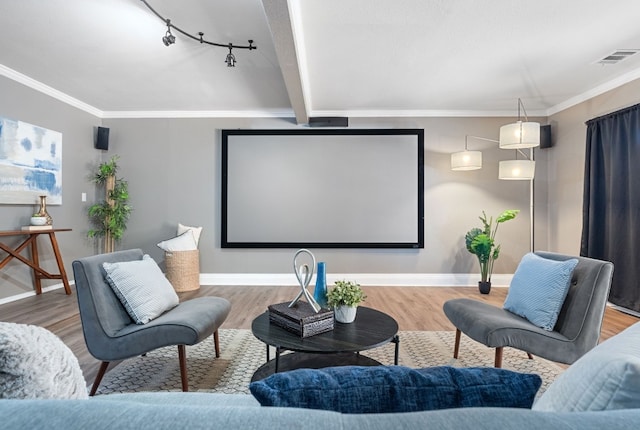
{"x": 42, "y": 212}
{"x": 38, "y": 220}
{"x": 320, "y": 292}
{"x": 345, "y": 314}
{"x": 484, "y": 287}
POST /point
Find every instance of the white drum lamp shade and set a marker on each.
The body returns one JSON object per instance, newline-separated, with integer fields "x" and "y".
{"x": 520, "y": 135}
{"x": 516, "y": 170}
{"x": 466, "y": 160}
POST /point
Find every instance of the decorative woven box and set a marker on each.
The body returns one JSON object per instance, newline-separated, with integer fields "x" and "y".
{"x": 183, "y": 269}
{"x": 301, "y": 319}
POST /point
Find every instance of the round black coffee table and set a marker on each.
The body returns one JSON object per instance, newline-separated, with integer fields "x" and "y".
{"x": 339, "y": 347}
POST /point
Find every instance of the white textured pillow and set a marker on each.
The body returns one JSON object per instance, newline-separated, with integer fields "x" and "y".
{"x": 607, "y": 377}
{"x": 195, "y": 230}
{"x": 36, "y": 364}
{"x": 184, "y": 242}
{"x": 142, "y": 288}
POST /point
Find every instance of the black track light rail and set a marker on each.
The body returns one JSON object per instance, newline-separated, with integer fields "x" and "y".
{"x": 201, "y": 34}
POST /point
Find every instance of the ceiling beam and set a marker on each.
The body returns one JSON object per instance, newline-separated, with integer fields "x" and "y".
{"x": 279, "y": 20}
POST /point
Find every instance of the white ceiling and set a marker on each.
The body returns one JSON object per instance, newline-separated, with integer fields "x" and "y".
{"x": 320, "y": 57}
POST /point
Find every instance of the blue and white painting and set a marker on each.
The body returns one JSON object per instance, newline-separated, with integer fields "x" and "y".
{"x": 30, "y": 163}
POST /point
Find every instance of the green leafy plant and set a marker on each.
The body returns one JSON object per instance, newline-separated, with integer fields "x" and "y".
{"x": 346, "y": 293}
{"x": 481, "y": 242}
{"x": 110, "y": 216}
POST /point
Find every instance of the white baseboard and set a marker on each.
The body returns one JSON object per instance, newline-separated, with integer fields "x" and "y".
{"x": 31, "y": 293}
{"x": 624, "y": 310}
{"x": 365, "y": 279}
{"x": 378, "y": 279}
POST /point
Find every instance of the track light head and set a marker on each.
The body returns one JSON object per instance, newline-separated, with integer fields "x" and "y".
{"x": 230, "y": 60}
{"x": 168, "y": 39}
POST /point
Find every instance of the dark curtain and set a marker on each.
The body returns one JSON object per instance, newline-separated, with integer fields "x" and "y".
{"x": 611, "y": 208}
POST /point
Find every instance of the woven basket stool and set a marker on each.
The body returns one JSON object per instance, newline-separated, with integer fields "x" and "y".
{"x": 183, "y": 269}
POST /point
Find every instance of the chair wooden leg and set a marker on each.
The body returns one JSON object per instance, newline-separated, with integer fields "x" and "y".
{"x": 498, "y": 362}
{"x": 216, "y": 341}
{"x": 99, "y": 376}
{"x": 456, "y": 348}
{"x": 530, "y": 356}
{"x": 182, "y": 358}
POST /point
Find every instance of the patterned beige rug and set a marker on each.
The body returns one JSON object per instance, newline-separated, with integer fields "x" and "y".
{"x": 242, "y": 354}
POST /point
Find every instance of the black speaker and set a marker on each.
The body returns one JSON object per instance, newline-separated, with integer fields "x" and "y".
{"x": 328, "y": 121}
{"x": 545, "y": 137}
{"x": 102, "y": 139}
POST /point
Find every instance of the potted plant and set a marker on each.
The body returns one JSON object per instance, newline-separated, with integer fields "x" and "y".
{"x": 111, "y": 215}
{"x": 481, "y": 242}
{"x": 344, "y": 298}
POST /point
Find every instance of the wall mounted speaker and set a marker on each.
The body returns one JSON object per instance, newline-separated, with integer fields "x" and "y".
{"x": 102, "y": 138}
{"x": 545, "y": 137}
{"x": 328, "y": 121}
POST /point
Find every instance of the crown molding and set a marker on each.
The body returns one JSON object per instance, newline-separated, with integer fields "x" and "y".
{"x": 45, "y": 89}
{"x": 287, "y": 113}
{"x": 417, "y": 113}
{"x": 594, "y": 92}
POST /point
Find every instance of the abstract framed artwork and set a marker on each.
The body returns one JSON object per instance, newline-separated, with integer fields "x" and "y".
{"x": 30, "y": 163}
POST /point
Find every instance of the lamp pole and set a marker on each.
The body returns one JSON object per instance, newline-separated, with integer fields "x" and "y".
{"x": 531, "y": 208}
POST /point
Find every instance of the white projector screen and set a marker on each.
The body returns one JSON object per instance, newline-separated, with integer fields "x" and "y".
{"x": 322, "y": 188}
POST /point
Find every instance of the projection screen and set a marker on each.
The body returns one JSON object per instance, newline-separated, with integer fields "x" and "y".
{"x": 326, "y": 188}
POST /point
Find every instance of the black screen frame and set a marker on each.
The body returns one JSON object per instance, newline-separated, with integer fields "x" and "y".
{"x": 414, "y": 244}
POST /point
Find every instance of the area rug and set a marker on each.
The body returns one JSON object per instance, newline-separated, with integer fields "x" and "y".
{"x": 242, "y": 354}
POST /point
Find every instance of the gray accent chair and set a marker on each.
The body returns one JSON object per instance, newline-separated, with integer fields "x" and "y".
{"x": 111, "y": 334}
{"x": 576, "y": 331}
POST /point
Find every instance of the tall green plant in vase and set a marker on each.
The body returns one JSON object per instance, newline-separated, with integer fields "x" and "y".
{"x": 110, "y": 216}
{"x": 481, "y": 242}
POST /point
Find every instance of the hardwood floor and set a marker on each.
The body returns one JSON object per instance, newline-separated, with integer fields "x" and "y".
{"x": 415, "y": 308}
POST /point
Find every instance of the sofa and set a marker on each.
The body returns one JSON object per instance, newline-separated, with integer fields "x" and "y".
{"x": 194, "y": 411}
{"x": 600, "y": 390}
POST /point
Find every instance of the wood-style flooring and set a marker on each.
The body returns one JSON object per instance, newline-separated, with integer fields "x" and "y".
{"x": 415, "y": 308}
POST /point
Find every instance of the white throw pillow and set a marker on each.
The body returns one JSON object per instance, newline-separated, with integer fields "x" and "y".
{"x": 607, "y": 377}
{"x": 142, "y": 288}
{"x": 184, "y": 242}
{"x": 195, "y": 230}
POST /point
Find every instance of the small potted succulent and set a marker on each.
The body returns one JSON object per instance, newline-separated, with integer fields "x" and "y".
{"x": 344, "y": 298}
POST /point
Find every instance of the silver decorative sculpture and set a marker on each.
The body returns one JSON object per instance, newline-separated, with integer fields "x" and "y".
{"x": 304, "y": 273}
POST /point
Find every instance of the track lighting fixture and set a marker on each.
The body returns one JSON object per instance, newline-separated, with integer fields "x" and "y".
{"x": 170, "y": 39}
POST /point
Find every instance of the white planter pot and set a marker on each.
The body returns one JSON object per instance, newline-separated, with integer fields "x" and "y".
{"x": 345, "y": 314}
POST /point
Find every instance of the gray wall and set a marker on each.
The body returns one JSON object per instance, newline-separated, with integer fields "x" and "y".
{"x": 173, "y": 169}
{"x": 77, "y": 128}
{"x": 566, "y": 165}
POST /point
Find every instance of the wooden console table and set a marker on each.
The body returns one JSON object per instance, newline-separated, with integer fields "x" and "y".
{"x": 38, "y": 272}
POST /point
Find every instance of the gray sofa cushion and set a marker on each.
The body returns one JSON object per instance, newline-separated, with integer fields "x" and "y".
{"x": 172, "y": 411}
{"x": 607, "y": 377}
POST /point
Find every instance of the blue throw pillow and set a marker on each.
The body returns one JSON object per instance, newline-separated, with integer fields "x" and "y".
{"x": 388, "y": 389}
{"x": 538, "y": 289}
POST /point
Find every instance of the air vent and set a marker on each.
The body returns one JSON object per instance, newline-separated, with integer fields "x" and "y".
{"x": 617, "y": 56}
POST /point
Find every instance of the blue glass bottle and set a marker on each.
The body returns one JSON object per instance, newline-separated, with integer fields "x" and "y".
{"x": 320, "y": 292}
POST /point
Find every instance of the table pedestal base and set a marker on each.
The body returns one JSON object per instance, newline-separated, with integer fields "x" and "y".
{"x": 299, "y": 360}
